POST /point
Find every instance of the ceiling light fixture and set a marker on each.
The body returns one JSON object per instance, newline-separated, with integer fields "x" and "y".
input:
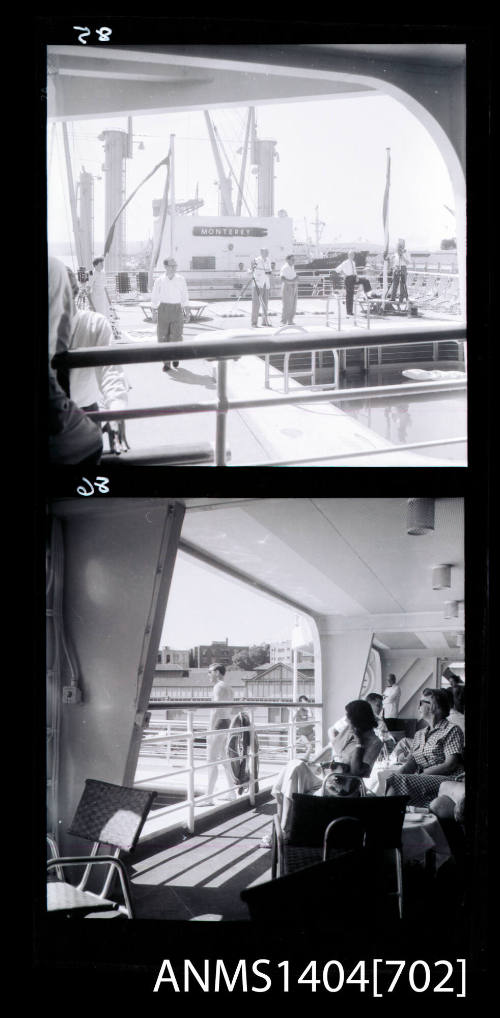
{"x": 451, "y": 609}
{"x": 441, "y": 577}
{"x": 420, "y": 516}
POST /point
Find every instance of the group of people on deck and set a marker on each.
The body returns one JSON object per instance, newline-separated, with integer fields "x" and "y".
{"x": 262, "y": 270}
{"x": 428, "y": 768}
{"x": 76, "y": 439}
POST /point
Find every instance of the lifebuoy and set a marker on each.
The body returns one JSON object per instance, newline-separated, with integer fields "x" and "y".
{"x": 238, "y": 750}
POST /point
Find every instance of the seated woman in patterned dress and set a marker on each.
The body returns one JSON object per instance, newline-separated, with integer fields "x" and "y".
{"x": 437, "y": 752}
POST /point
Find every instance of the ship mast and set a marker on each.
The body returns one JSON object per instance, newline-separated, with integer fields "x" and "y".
{"x": 86, "y": 217}
{"x": 117, "y": 148}
{"x": 72, "y": 196}
{"x": 224, "y": 182}
{"x": 249, "y": 129}
{"x": 318, "y": 229}
{"x": 263, "y": 155}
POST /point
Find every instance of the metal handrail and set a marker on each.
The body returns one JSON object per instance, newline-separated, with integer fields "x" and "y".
{"x": 189, "y": 734}
{"x": 236, "y": 343}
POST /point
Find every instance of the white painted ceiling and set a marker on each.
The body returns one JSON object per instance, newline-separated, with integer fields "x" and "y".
{"x": 97, "y": 81}
{"x": 338, "y": 556}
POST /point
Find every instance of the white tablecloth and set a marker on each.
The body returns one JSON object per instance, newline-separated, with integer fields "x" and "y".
{"x": 419, "y": 837}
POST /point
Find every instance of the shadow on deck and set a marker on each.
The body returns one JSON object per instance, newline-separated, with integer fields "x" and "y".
{"x": 200, "y": 876}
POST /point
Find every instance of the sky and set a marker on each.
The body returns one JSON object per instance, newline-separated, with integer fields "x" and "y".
{"x": 205, "y": 606}
{"x": 332, "y": 154}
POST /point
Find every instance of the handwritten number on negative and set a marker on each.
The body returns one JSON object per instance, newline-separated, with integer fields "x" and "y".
{"x": 103, "y": 34}
{"x": 101, "y": 483}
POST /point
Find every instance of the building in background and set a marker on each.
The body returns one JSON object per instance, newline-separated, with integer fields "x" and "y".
{"x": 282, "y": 653}
{"x": 275, "y": 682}
{"x": 168, "y": 656}
{"x": 205, "y": 654}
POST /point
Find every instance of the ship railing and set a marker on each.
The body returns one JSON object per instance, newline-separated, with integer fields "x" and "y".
{"x": 283, "y": 737}
{"x": 228, "y": 345}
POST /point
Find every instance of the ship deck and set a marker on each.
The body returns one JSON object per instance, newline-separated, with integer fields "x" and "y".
{"x": 299, "y": 432}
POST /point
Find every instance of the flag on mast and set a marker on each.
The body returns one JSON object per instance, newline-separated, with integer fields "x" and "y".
{"x": 111, "y": 231}
{"x": 161, "y": 227}
{"x": 385, "y": 221}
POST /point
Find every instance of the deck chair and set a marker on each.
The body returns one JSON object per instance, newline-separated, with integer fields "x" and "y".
{"x": 382, "y": 820}
{"x": 107, "y": 815}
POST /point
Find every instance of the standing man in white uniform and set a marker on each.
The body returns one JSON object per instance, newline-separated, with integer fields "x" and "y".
{"x": 220, "y": 720}
{"x": 392, "y": 696}
{"x": 261, "y": 276}
{"x": 170, "y": 296}
{"x": 289, "y": 290}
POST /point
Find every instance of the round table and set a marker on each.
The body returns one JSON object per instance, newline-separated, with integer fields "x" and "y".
{"x": 423, "y": 840}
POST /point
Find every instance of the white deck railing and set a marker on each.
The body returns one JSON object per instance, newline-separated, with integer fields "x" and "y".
{"x": 225, "y": 346}
{"x": 185, "y": 734}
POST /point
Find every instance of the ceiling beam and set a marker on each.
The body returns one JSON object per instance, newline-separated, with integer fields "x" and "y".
{"x": 404, "y": 622}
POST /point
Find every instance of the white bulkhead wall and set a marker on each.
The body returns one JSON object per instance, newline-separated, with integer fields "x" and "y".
{"x": 343, "y": 658}
{"x": 230, "y": 239}
{"x": 118, "y": 564}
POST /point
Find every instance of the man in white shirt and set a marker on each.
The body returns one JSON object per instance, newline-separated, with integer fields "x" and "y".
{"x": 261, "y": 277}
{"x": 289, "y": 290}
{"x": 220, "y": 720}
{"x": 392, "y": 696}
{"x": 348, "y": 269}
{"x": 98, "y": 294}
{"x": 170, "y": 296}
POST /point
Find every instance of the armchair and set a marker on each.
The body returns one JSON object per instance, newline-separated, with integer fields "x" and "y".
{"x": 107, "y": 815}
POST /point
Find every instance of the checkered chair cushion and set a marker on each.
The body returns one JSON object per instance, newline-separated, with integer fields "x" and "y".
{"x": 295, "y": 857}
{"x": 63, "y": 897}
{"x": 111, "y": 814}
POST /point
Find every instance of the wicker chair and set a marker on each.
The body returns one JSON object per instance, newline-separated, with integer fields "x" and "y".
{"x": 107, "y": 815}
{"x": 310, "y": 832}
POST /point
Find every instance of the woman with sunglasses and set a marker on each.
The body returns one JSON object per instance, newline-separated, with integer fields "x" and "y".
{"x": 437, "y": 753}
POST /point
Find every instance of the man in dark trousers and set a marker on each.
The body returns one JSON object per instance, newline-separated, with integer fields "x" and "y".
{"x": 170, "y": 296}
{"x": 261, "y": 279}
{"x": 347, "y": 269}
